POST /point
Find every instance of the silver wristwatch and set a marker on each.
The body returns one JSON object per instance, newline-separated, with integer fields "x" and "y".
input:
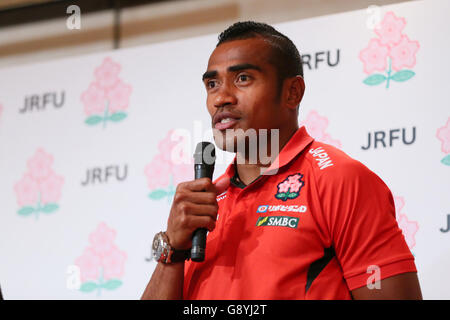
{"x": 163, "y": 252}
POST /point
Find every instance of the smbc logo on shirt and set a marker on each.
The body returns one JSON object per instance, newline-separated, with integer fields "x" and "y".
{"x": 277, "y": 221}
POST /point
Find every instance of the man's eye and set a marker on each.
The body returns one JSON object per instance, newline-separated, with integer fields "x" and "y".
{"x": 211, "y": 84}
{"x": 243, "y": 77}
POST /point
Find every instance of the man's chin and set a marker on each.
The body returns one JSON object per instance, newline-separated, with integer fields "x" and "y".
{"x": 249, "y": 145}
{"x": 225, "y": 143}
{"x": 234, "y": 140}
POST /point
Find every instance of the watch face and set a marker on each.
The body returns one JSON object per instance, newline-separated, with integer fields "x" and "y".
{"x": 157, "y": 247}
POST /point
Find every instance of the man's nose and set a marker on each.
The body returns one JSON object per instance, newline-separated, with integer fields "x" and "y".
{"x": 225, "y": 96}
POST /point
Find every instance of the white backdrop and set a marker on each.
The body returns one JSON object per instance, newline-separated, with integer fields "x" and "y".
{"x": 381, "y": 73}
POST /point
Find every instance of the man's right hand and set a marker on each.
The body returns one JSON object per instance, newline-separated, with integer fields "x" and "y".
{"x": 194, "y": 206}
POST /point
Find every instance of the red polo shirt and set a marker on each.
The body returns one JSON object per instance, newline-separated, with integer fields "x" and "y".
{"x": 313, "y": 229}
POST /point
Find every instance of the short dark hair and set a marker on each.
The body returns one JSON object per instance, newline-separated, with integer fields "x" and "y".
{"x": 285, "y": 56}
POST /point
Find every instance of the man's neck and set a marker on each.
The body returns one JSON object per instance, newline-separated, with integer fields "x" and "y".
{"x": 248, "y": 172}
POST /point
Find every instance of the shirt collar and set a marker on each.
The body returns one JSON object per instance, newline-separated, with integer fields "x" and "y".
{"x": 296, "y": 144}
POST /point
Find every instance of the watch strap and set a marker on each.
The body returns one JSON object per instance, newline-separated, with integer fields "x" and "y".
{"x": 179, "y": 256}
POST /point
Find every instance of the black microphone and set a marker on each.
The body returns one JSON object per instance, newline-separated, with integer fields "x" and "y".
{"x": 204, "y": 160}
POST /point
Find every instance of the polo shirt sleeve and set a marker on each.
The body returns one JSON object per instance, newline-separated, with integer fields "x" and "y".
{"x": 359, "y": 211}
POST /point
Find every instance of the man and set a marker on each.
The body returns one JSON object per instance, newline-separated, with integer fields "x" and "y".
{"x": 310, "y": 227}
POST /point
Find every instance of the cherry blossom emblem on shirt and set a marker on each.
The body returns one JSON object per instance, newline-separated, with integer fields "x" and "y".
{"x": 169, "y": 167}
{"x": 102, "y": 264}
{"x": 107, "y": 97}
{"x": 39, "y": 190}
{"x": 390, "y": 52}
{"x": 290, "y": 187}
{"x": 443, "y": 134}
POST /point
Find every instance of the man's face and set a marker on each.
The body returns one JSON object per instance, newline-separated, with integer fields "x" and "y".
{"x": 242, "y": 89}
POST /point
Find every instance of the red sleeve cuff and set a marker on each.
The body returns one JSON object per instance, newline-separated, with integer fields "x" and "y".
{"x": 386, "y": 271}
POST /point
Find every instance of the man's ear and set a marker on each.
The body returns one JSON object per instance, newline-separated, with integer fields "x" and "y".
{"x": 295, "y": 91}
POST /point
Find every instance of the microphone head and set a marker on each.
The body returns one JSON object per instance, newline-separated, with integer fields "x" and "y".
{"x": 205, "y": 153}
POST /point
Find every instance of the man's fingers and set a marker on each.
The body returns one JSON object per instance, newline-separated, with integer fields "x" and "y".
{"x": 205, "y": 184}
{"x": 202, "y": 184}
{"x": 206, "y": 222}
{"x": 194, "y": 206}
{"x": 222, "y": 185}
{"x": 201, "y": 209}
{"x": 197, "y": 197}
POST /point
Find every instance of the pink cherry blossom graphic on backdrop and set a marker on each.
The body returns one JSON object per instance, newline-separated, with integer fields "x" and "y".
{"x": 39, "y": 165}
{"x": 409, "y": 228}
{"x": 51, "y": 189}
{"x": 118, "y": 96}
{"x": 374, "y": 56}
{"x": 107, "y": 97}
{"x": 107, "y": 74}
{"x": 390, "y": 30}
{"x": 169, "y": 167}
{"x": 40, "y": 188}
{"x": 404, "y": 54}
{"x": 89, "y": 263}
{"x": 443, "y": 134}
{"x": 390, "y": 51}
{"x": 94, "y": 100}
{"x": 316, "y": 127}
{"x": 27, "y": 191}
{"x": 102, "y": 264}
{"x": 102, "y": 239}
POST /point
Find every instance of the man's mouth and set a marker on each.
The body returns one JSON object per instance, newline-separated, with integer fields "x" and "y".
{"x": 224, "y": 120}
